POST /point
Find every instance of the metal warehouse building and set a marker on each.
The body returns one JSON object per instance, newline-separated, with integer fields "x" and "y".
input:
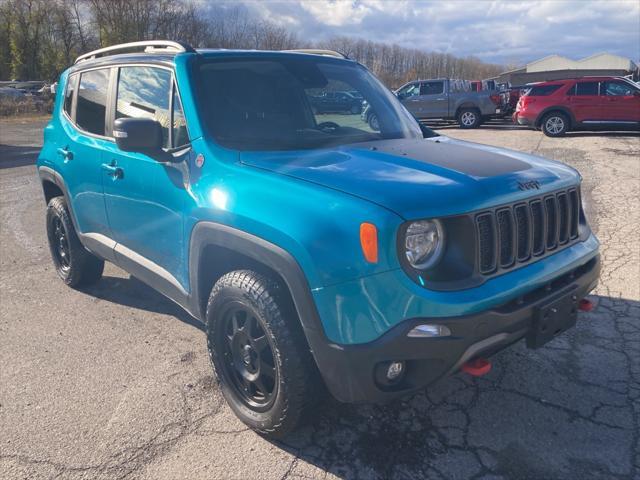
{"x": 556, "y": 67}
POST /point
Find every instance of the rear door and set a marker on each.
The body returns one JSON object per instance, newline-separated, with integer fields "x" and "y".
{"x": 621, "y": 103}
{"x": 586, "y": 102}
{"x": 80, "y": 150}
{"x": 144, "y": 203}
{"x": 433, "y": 100}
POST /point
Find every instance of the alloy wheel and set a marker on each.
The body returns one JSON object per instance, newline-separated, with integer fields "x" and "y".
{"x": 554, "y": 125}
{"x": 61, "y": 244}
{"x": 248, "y": 360}
{"x": 468, "y": 118}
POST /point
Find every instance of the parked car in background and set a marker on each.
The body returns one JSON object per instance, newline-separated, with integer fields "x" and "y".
{"x": 585, "y": 103}
{"x": 337, "y": 102}
{"x": 449, "y": 99}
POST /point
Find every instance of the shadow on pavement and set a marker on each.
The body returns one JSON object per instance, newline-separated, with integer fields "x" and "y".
{"x": 17, "y": 156}
{"x": 131, "y": 292}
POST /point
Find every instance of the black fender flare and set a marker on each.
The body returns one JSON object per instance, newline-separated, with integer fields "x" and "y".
{"x": 558, "y": 108}
{"x": 48, "y": 174}
{"x": 205, "y": 234}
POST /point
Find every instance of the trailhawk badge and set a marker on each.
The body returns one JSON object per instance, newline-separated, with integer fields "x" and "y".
{"x": 530, "y": 185}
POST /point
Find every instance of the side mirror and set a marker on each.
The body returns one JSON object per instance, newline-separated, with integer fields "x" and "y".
{"x": 138, "y": 135}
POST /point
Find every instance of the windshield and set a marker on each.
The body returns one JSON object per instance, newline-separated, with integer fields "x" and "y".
{"x": 290, "y": 103}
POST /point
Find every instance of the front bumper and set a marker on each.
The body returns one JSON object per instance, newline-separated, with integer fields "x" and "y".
{"x": 349, "y": 371}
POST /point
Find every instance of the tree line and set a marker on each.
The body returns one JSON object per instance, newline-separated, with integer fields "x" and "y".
{"x": 40, "y": 38}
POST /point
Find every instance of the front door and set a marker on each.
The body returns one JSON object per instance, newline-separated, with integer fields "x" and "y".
{"x": 144, "y": 197}
{"x": 409, "y": 95}
{"x": 621, "y": 103}
{"x": 433, "y": 101}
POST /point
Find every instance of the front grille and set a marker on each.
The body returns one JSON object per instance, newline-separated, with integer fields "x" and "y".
{"x": 514, "y": 234}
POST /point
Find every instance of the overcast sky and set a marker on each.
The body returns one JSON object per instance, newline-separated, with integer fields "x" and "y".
{"x": 506, "y": 32}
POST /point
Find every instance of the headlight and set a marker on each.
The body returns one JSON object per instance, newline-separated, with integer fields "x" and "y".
{"x": 424, "y": 242}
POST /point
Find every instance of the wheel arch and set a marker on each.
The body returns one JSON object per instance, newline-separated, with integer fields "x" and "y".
{"x": 556, "y": 108}
{"x": 469, "y": 105}
{"x": 216, "y": 249}
{"x": 53, "y": 185}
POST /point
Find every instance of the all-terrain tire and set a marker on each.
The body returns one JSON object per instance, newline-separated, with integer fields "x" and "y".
{"x": 74, "y": 264}
{"x": 297, "y": 385}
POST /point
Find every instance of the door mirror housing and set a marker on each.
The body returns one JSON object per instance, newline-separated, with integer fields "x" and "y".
{"x": 138, "y": 135}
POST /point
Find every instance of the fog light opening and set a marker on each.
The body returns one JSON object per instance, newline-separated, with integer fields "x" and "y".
{"x": 429, "y": 331}
{"x": 395, "y": 371}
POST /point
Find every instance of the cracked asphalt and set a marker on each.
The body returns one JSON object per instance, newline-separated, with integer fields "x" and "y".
{"x": 114, "y": 381}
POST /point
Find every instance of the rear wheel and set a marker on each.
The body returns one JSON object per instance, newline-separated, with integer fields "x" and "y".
{"x": 469, "y": 118}
{"x": 555, "y": 124}
{"x": 374, "y": 123}
{"x": 264, "y": 367}
{"x": 74, "y": 264}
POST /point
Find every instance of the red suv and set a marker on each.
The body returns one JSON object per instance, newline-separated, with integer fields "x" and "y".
{"x": 585, "y": 103}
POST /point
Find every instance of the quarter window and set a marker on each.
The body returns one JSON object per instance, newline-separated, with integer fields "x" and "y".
{"x": 143, "y": 92}
{"x": 92, "y": 101}
{"x": 542, "y": 90}
{"x": 180, "y": 135}
{"x": 68, "y": 94}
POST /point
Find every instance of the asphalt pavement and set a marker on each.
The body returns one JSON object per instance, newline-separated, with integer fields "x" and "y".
{"x": 114, "y": 381}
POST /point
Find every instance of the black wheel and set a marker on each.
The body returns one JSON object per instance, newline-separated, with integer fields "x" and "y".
{"x": 74, "y": 264}
{"x": 469, "y": 118}
{"x": 263, "y": 364}
{"x": 374, "y": 123}
{"x": 555, "y": 124}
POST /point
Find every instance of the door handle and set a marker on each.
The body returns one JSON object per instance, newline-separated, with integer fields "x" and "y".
{"x": 65, "y": 154}
{"x": 113, "y": 171}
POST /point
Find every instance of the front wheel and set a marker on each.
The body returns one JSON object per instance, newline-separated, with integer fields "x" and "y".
{"x": 469, "y": 118}
{"x": 74, "y": 264}
{"x": 264, "y": 368}
{"x": 374, "y": 124}
{"x": 555, "y": 124}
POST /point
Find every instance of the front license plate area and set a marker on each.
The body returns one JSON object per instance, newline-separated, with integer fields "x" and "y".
{"x": 552, "y": 319}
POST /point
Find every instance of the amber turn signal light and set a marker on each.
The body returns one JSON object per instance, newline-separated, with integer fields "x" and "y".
{"x": 369, "y": 242}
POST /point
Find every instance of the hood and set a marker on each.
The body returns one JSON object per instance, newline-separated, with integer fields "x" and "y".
{"x": 422, "y": 178}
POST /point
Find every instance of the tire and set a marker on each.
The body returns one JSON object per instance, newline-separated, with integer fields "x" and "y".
{"x": 263, "y": 364}
{"x": 74, "y": 264}
{"x": 373, "y": 122}
{"x": 355, "y": 110}
{"x": 469, "y": 118}
{"x": 555, "y": 124}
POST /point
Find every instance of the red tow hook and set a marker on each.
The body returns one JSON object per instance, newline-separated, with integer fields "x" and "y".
{"x": 585, "y": 305}
{"x": 477, "y": 367}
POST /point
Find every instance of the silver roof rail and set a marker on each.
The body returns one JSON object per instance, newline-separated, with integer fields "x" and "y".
{"x": 317, "y": 51}
{"x": 150, "y": 46}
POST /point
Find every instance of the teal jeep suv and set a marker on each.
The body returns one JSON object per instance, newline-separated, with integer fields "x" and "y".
{"x": 319, "y": 253}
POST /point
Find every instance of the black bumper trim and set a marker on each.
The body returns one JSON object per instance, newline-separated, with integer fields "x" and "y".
{"x": 348, "y": 371}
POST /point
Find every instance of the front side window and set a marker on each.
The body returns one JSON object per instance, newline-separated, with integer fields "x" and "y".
{"x": 68, "y": 94}
{"x": 144, "y": 92}
{"x": 409, "y": 90}
{"x": 276, "y": 103}
{"x": 92, "y": 101}
{"x": 432, "y": 88}
{"x": 617, "y": 89}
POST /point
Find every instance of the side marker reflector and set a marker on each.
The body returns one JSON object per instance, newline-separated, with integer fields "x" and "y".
{"x": 369, "y": 242}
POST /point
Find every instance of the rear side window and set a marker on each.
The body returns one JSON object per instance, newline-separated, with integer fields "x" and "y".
{"x": 92, "y": 101}
{"x": 585, "y": 88}
{"x": 68, "y": 94}
{"x": 431, "y": 88}
{"x": 144, "y": 92}
{"x": 542, "y": 90}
